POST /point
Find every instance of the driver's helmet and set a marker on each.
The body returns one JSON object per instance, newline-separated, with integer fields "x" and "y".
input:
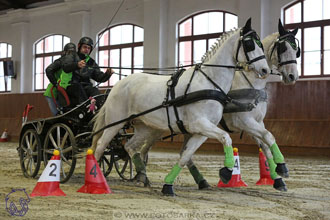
{"x": 85, "y": 40}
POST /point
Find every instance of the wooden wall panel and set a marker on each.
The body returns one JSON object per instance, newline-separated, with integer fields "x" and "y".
{"x": 304, "y": 100}
{"x": 298, "y": 116}
{"x": 12, "y": 107}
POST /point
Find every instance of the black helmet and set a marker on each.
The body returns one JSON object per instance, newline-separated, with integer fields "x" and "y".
{"x": 69, "y": 47}
{"x": 85, "y": 40}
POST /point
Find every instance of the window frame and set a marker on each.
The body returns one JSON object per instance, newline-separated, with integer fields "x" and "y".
{"x": 44, "y": 55}
{"x": 7, "y": 58}
{"x": 193, "y": 37}
{"x": 302, "y": 25}
{"x": 110, "y": 47}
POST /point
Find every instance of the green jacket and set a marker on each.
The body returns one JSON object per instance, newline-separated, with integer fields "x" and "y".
{"x": 50, "y": 85}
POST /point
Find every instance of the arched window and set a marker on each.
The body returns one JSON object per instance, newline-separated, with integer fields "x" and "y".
{"x": 121, "y": 46}
{"x": 198, "y": 32}
{"x": 312, "y": 17}
{"x": 5, "y": 55}
{"x": 47, "y": 50}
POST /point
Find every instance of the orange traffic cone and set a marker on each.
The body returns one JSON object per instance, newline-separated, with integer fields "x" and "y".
{"x": 95, "y": 182}
{"x": 265, "y": 178}
{"x": 235, "y": 180}
{"x": 49, "y": 181}
{"x": 4, "y": 136}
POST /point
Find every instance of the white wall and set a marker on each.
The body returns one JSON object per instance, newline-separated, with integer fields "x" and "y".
{"x": 159, "y": 18}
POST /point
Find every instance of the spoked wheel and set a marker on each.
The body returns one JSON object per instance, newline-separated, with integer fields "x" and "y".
{"x": 60, "y": 137}
{"x": 30, "y": 153}
{"x": 106, "y": 162}
{"x": 124, "y": 165}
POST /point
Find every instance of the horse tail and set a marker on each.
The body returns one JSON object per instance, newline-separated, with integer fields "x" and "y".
{"x": 99, "y": 123}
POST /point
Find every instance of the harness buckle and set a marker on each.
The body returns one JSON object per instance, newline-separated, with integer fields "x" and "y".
{"x": 198, "y": 66}
{"x": 246, "y": 67}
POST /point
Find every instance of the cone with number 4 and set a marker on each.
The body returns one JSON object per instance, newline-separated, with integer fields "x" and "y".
{"x": 49, "y": 181}
{"x": 95, "y": 182}
{"x": 265, "y": 178}
{"x": 236, "y": 180}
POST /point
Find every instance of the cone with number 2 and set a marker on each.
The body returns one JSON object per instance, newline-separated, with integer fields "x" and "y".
{"x": 49, "y": 181}
{"x": 95, "y": 182}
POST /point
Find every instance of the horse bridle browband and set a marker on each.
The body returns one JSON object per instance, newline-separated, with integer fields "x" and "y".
{"x": 281, "y": 48}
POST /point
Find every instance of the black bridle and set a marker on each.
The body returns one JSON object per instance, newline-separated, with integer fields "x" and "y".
{"x": 247, "y": 41}
{"x": 281, "y": 48}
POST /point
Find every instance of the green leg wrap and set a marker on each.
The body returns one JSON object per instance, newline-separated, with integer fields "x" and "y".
{"x": 169, "y": 179}
{"x": 139, "y": 164}
{"x": 272, "y": 167}
{"x": 277, "y": 155}
{"x": 196, "y": 174}
{"x": 229, "y": 156}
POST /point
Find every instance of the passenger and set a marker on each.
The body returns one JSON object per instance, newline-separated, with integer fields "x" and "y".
{"x": 83, "y": 68}
{"x": 53, "y": 73}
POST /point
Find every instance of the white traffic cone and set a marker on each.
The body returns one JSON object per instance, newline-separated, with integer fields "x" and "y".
{"x": 4, "y": 136}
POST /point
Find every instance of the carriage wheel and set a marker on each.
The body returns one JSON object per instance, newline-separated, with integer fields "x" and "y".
{"x": 124, "y": 166}
{"x": 106, "y": 162}
{"x": 30, "y": 153}
{"x": 60, "y": 137}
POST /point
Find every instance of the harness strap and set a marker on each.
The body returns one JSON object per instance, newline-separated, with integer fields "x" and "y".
{"x": 287, "y": 62}
{"x": 171, "y": 83}
{"x": 167, "y": 113}
{"x": 256, "y": 59}
{"x": 224, "y": 125}
{"x": 246, "y": 79}
{"x": 215, "y": 85}
{"x": 172, "y": 86}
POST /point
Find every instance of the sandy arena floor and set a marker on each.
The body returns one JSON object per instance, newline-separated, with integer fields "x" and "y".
{"x": 308, "y": 195}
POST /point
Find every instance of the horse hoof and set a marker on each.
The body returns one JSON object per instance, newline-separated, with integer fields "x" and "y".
{"x": 282, "y": 170}
{"x": 203, "y": 184}
{"x": 225, "y": 174}
{"x": 168, "y": 190}
{"x": 142, "y": 178}
{"x": 280, "y": 185}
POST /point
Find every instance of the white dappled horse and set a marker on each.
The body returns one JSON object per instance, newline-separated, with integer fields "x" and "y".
{"x": 140, "y": 92}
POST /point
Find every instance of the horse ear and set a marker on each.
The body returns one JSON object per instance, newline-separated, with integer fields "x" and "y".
{"x": 247, "y": 27}
{"x": 248, "y": 24}
{"x": 295, "y": 31}
{"x": 281, "y": 29}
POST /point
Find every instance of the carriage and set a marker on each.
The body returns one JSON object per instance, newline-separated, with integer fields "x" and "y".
{"x": 70, "y": 133}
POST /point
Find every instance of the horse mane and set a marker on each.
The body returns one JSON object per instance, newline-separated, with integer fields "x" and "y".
{"x": 218, "y": 44}
{"x": 268, "y": 43}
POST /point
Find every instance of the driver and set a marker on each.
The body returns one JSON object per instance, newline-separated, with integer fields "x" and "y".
{"x": 83, "y": 68}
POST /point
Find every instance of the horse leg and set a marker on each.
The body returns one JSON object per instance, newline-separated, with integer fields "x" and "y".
{"x": 192, "y": 145}
{"x": 107, "y": 136}
{"x": 258, "y": 130}
{"x": 208, "y": 129}
{"x": 198, "y": 177}
{"x": 281, "y": 168}
{"x": 143, "y": 137}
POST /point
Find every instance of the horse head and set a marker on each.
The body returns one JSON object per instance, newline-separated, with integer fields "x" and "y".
{"x": 286, "y": 49}
{"x": 250, "y": 52}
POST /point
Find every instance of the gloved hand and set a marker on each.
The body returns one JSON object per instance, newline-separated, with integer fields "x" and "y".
{"x": 109, "y": 71}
